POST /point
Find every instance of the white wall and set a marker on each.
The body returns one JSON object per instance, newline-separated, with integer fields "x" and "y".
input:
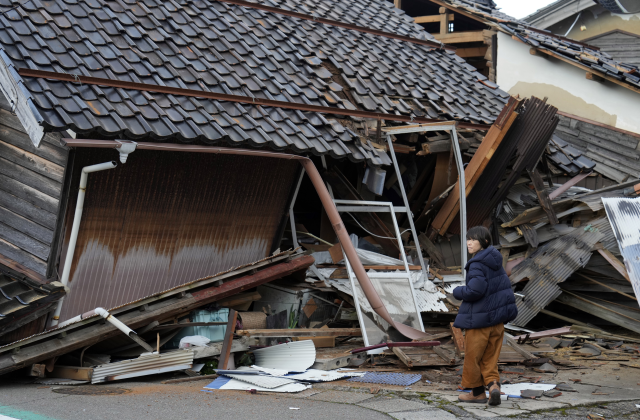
{"x": 565, "y": 85}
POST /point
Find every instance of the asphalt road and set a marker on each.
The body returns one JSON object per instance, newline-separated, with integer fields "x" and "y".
{"x": 145, "y": 400}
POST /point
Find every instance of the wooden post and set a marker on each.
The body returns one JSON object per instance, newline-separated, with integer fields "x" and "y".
{"x": 444, "y": 21}
{"x": 397, "y": 4}
{"x": 158, "y": 343}
{"x": 543, "y": 196}
{"x": 505, "y": 256}
{"x": 225, "y": 353}
{"x": 458, "y": 340}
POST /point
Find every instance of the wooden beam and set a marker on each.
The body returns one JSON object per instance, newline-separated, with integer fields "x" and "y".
{"x": 472, "y": 52}
{"x": 302, "y": 332}
{"x": 460, "y": 37}
{"x": 225, "y": 353}
{"x": 397, "y": 4}
{"x": 592, "y": 76}
{"x": 432, "y": 18}
{"x": 72, "y": 372}
{"x": 442, "y": 146}
{"x": 616, "y": 263}
{"x": 543, "y": 196}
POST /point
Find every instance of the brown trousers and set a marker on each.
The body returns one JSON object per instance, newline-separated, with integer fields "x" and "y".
{"x": 481, "y": 352}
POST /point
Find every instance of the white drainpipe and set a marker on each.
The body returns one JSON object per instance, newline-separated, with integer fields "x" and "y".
{"x": 124, "y": 149}
{"x": 112, "y": 320}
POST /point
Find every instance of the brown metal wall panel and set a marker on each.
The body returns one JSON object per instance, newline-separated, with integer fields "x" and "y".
{"x": 164, "y": 218}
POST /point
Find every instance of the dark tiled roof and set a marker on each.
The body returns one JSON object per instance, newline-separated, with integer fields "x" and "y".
{"x": 21, "y": 296}
{"x": 568, "y": 158}
{"x": 578, "y": 53}
{"x": 215, "y": 46}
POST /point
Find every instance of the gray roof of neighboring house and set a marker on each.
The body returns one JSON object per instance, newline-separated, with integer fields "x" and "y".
{"x": 219, "y": 47}
{"x": 556, "y": 12}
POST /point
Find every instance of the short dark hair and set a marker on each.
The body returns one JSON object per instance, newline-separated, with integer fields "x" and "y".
{"x": 480, "y": 234}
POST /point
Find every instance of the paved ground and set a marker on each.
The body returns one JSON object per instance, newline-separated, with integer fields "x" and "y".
{"x": 614, "y": 397}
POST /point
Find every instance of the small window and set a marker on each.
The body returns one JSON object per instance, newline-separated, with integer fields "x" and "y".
{"x": 450, "y": 26}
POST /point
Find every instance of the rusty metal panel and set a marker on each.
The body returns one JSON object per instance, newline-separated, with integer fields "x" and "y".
{"x": 552, "y": 264}
{"x": 164, "y": 219}
{"x": 624, "y": 216}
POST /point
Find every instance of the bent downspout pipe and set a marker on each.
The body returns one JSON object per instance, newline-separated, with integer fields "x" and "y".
{"x": 112, "y": 320}
{"x": 73, "y": 239}
{"x": 327, "y": 202}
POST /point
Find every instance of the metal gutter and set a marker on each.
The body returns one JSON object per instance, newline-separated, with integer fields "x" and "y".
{"x": 279, "y": 11}
{"x": 145, "y": 87}
{"x": 323, "y": 193}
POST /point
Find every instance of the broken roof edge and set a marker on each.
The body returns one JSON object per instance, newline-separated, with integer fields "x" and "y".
{"x": 176, "y": 290}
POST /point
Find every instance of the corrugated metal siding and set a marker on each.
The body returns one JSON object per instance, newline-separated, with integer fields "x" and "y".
{"x": 30, "y": 190}
{"x": 296, "y": 356}
{"x": 147, "y": 364}
{"x": 624, "y": 216}
{"x": 551, "y": 264}
{"x": 163, "y": 219}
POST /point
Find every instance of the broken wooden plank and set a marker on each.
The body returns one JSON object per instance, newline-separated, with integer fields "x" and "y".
{"x": 512, "y": 342}
{"x": 402, "y": 356}
{"x": 543, "y": 334}
{"x": 446, "y": 355}
{"x": 302, "y": 332}
{"x": 225, "y": 352}
{"x": 543, "y": 196}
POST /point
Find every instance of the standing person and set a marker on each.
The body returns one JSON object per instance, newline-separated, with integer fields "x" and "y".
{"x": 487, "y": 303}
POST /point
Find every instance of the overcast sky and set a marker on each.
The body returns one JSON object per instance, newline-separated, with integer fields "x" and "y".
{"x": 521, "y": 8}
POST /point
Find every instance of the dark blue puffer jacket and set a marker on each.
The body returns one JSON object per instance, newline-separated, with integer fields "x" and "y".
{"x": 487, "y": 298}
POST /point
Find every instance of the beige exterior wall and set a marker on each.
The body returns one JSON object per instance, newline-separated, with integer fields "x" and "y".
{"x": 519, "y": 72}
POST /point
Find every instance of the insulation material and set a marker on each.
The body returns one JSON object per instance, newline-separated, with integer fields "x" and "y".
{"x": 624, "y": 216}
{"x": 224, "y": 383}
{"x": 296, "y": 356}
